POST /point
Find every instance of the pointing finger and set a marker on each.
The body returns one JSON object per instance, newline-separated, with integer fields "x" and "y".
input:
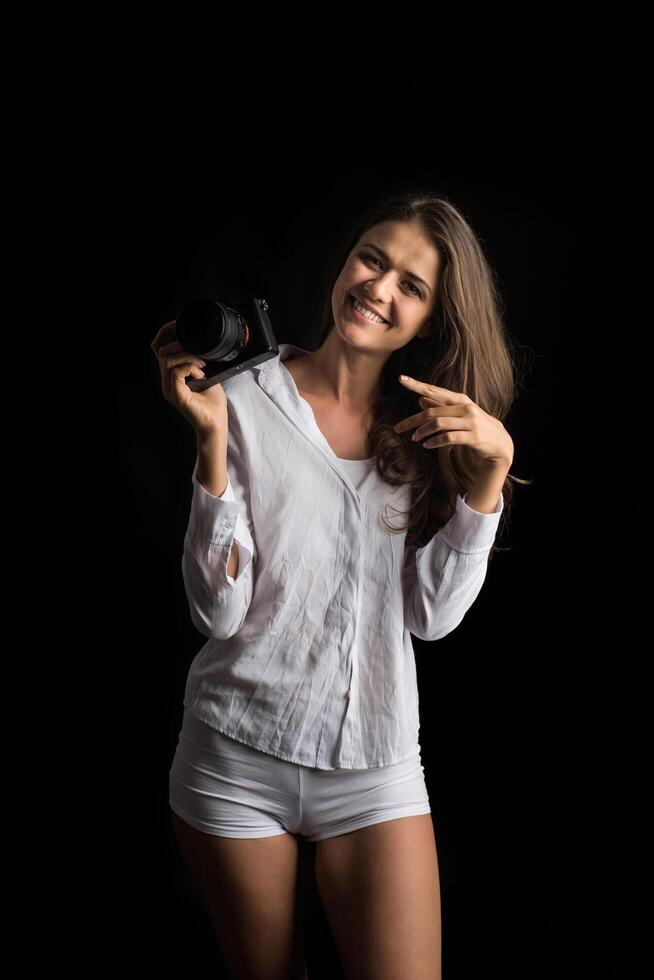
{"x": 442, "y": 395}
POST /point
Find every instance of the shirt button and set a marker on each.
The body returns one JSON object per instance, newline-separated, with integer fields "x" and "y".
{"x": 348, "y": 695}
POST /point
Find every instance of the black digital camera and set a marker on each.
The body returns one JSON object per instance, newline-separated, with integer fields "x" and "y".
{"x": 230, "y": 336}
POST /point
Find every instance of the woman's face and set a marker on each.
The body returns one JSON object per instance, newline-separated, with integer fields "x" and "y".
{"x": 377, "y": 273}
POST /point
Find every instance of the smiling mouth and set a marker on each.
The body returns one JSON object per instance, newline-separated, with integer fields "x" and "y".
{"x": 352, "y": 298}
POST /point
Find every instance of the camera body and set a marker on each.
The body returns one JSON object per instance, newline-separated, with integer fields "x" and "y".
{"x": 230, "y": 336}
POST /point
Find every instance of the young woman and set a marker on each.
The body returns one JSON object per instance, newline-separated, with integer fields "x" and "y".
{"x": 301, "y": 710}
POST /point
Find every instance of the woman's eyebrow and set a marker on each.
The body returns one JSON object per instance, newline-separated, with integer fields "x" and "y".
{"x": 406, "y": 271}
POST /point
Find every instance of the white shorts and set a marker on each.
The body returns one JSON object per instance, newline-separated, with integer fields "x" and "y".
{"x": 223, "y": 787}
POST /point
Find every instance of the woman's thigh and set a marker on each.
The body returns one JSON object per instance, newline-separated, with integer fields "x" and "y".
{"x": 232, "y": 811}
{"x": 249, "y": 887}
{"x": 381, "y": 892}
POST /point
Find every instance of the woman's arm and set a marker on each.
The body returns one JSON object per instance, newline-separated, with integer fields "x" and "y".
{"x": 484, "y": 494}
{"x": 442, "y": 579}
{"x": 212, "y": 475}
{"x": 218, "y": 577}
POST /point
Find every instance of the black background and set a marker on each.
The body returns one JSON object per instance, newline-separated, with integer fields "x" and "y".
{"x": 163, "y": 151}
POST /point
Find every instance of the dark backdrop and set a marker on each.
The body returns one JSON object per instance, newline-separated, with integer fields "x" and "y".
{"x": 185, "y": 149}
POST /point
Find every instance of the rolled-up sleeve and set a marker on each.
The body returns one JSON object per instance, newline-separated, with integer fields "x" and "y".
{"x": 218, "y": 602}
{"x": 442, "y": 579}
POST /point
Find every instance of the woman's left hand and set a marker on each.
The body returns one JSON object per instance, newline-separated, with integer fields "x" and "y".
{"x": 457, "y": 420}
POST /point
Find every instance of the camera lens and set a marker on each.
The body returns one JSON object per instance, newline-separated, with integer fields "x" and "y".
{"x": 211, "y": 329}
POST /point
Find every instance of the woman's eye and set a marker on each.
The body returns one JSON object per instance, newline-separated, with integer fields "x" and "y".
{"x": 373, "y": 258}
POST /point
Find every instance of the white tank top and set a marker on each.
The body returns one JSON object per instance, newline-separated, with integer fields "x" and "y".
{"x": 356, "y": 470}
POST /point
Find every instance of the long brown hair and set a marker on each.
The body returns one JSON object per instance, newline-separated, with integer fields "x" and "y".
{"x": 469, "y": 351}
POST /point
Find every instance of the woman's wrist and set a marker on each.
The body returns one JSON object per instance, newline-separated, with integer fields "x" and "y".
{"x": 210, "y": 437}
{"x": 212, "y": 462}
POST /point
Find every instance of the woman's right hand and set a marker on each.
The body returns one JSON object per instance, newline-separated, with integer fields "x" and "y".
{"x": 205, "y": 410}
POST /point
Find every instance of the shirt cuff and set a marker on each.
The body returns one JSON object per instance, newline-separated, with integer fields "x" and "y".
{"x": 469, "y": 530}
{"x": 219, "y": 520}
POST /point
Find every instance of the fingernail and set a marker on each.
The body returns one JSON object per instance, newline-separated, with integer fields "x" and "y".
{"x": 404, "y": 377}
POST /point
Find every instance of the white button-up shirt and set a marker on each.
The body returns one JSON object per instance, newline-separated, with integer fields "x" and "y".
{"x": 309, "y": 655}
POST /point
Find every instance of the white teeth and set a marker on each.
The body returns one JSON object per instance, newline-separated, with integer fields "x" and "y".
{"x": 367, "y": 313}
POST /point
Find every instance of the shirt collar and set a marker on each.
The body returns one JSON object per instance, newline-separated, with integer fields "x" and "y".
{"x": 280, "y": 386}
